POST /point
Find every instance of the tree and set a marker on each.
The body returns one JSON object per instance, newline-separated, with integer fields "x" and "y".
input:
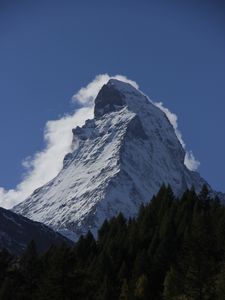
{"x": 5, "y": 260}
{"x": 6, "y": 290}
{"x": 204, "y": 194}
{"x": 124, "y": 294}
{"x": 220, "y": 283}
{"x": 142, "y": 288}
{"x": 30, "y": 270}
{"x": 173, "y": 285}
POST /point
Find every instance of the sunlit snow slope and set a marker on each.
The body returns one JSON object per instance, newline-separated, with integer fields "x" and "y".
{"x": 120, "y": 159}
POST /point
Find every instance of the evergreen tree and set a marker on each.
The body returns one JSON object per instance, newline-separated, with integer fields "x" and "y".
{"x": 173, "y": 285}
{"x": 142, "y": 288}
{"x": 30, "y": 270}
{"x": 6, "y": 291}
{"x": 220, "y": 282}
{"x": 5, "y": 260}
{"x": 124, "y": 294}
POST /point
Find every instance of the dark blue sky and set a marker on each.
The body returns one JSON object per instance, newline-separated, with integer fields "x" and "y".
{"x": 174, "y": 50}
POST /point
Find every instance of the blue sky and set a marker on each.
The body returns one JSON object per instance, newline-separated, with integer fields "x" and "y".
{"x": 174, "y": 50}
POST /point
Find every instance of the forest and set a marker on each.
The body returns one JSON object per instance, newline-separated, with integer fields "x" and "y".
{"x": 174, "y": 249}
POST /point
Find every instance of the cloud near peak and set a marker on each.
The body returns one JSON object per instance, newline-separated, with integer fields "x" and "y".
{"x": 190, "y": 161}
{"x": 87, "y": 94}
{"x": 45, "y": 165}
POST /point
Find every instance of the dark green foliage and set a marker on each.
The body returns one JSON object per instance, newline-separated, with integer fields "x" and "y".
{"x": 173, "y": 250}
{"x": 6, "y": 292}
{"x": 5, "y": 262}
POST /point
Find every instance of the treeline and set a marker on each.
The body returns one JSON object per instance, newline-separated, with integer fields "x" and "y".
{"x": 173, "y": 250}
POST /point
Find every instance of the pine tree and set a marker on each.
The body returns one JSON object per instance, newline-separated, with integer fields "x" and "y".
{"x": 30, "y": 270}
{"x": 199, "y": 259}
{"x": 204, "y": 194}
{"x": 54, "y": 279}
{"x": 106, "y": 290}
{"x": 142, "y": 288}
{"x": 173, "y": 285}
{"x": 6, "y": 291}
{"x": 220, "y": 283}
{"x": 124, "y": 294}
{"x": 5, "y": 260}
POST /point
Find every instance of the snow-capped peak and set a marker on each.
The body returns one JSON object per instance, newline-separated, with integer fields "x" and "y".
{"x": 116, "y": 94}
{"x": 123, "y": 87}
{"x": 119, "y": 160}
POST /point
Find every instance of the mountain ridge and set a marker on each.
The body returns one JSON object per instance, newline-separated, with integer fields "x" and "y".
{"x": 17, "y": 231}
{"x": 119, "y": 160}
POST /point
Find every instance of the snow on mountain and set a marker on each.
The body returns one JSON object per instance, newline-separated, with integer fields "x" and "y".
{"x": 119, "y": 160}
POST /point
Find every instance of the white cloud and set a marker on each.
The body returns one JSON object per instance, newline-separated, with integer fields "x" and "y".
{"x": 173, "y": 120}
{"x": 190, "y": 161}
{"x": 44, "y": 165}
{"x": 87, "y": 94}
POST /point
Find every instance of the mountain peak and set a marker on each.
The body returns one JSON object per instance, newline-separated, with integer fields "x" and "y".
{"x": 108, "y": 99}
{"x": 121, "y": 158}
{"x": 116, "y": 94}
{"x": 122, "y": 86}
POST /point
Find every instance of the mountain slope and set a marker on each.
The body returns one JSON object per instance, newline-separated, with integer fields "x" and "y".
{"x": 16, "y": 232}
{"x": 119, "y": 160}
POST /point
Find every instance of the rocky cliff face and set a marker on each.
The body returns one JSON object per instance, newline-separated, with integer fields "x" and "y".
{"x": 120, "y": 160}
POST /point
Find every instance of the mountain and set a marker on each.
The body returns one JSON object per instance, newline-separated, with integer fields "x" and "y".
{"x": 17, "y": 231}
{"x": 120, "y": 159}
